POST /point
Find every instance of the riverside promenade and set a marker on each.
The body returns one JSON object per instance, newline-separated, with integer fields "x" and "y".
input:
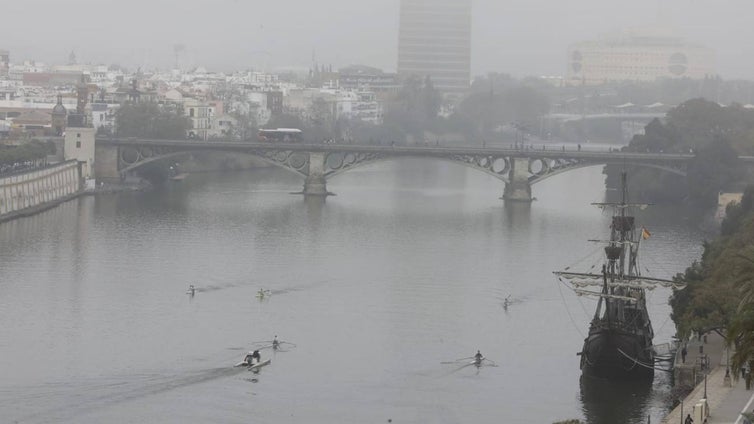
{"x": 725, "y": 401}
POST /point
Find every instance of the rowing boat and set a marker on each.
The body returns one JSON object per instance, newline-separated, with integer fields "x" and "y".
{"x": 465, "y": 362}
{"x": 254, "y": 366}
{"x": 275, "y": 345}
{"x": 260, "y": 364}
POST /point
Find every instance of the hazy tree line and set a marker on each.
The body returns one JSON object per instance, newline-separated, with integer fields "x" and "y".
{"x": 668, "y": 91}
{"x": 150, "y": 120}
{"x": 716, "y": 135}
{"x": 419, "y": 113}
{"x": 720, "y": 292}
{"x": 34, "y": 150}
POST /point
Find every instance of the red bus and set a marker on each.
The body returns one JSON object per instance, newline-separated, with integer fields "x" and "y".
{"x": 280, "y": 135}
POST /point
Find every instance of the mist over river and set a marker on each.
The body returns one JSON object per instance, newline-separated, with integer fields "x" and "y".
{"x": 407, "y": 267}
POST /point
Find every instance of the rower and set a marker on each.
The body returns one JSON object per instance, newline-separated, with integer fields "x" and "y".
{"x": 478, "y": 358}
{"x": 275, "y": 343}
{"x": 192, "y": 290}
{"x": 249, "y": 359}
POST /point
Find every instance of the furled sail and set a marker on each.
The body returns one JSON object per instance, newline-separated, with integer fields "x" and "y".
{"x": 583, "y": 279}
{"x": 582, "y": 292}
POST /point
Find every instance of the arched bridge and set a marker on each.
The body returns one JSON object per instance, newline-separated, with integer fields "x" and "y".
{"x": 518, "y": 169}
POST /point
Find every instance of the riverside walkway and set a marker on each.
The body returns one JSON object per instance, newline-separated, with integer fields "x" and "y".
{"x": 726, "y": 401}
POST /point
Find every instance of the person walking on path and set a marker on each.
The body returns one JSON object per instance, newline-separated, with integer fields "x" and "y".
{"x": 688, "y": 420}
{"x": 683, "y": 354}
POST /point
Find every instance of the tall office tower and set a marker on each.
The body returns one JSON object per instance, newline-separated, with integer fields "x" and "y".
{"x": 435, "y": 41}
{"x": 4, "y": 63}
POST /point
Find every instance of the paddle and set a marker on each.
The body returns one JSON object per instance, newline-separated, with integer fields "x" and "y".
{"x": 457, "y": 360}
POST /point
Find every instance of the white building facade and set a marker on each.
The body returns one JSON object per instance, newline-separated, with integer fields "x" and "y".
{"x": 637, "y": 55}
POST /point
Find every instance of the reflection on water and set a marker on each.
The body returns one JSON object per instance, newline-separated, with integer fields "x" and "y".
{"x": 615, "y": 402}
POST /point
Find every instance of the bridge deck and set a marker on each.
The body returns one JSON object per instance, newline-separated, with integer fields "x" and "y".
{"x": 427, "y": 150}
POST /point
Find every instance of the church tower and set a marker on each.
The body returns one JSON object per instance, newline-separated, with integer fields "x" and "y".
{"x": 59, "y": 117}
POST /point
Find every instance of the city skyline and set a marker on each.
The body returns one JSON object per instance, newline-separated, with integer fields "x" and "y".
{"x": 521, "y": 37}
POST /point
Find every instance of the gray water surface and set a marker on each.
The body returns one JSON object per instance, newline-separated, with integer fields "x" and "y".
{"x": 405, "y": 268}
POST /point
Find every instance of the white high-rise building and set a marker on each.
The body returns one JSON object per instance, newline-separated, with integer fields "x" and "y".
{"x": 435, "y": 41}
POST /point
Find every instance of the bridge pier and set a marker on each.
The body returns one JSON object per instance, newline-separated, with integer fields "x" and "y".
{"x": 315, "y": 183}
{"x": 106, "y": 163}
{"x": 518, "y": 188}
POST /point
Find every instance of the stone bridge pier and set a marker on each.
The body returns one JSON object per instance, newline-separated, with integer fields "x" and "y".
{"x": 315, "y": 183}
{"x": 518, "y": 188}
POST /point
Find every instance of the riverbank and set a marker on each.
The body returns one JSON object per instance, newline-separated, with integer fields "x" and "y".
{"x": 100, "y": 189}
{"x": 39, "y": 208}
{"x": 111, "y": 188}
{"x": 724, "y": 397}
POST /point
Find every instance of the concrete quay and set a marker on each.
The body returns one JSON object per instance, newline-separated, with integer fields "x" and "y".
{"x": 726, "y": 397}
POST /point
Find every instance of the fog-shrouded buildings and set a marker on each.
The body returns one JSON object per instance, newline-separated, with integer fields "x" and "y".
{"x": 435, "y": 41}
{"x": 4, "y": 63}
{"x": 643, "y": 54}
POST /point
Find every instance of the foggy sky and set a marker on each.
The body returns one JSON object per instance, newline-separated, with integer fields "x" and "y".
{"x": 521, "y": 37}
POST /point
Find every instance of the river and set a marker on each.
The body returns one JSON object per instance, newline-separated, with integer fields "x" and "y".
{"x": 406, "y": 268}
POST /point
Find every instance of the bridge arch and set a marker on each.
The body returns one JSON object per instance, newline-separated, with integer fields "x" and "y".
{"x": 495, "y": 166}
{"x": 539, "y": 177}
{"x": 295, "y": 167}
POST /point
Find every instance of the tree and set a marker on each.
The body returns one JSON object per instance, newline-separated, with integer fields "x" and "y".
{"x": 740, "y": 332}
{"x": 415, "y": 107}
{"x": 31, "y": 151}
{"x": 150, "y": 120}
{"x": 245, "y": 127}
{"x": 492, "y": 109}
{"x": 431, "y": 100}
{"x": 715, "y": 134}
{"x": 720, "y": 291}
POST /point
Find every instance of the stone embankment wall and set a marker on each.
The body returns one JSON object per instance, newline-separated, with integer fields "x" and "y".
{"x": 30, "y": 192}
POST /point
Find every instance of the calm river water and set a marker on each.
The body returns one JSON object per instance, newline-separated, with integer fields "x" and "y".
{"x": 405, "y": 268}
